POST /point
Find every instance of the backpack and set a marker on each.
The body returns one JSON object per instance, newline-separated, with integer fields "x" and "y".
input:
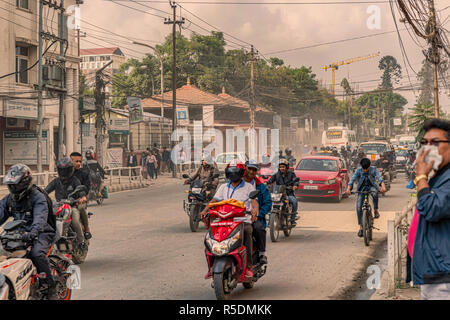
{"x": 51, "y": 219}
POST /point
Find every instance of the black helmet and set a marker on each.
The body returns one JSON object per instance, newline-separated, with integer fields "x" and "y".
{"x": 65, "y": 169}
{"x": 287, "y": 150}
{"x": 18, "y": 179}
{"x": 89, "y": 155}
{"x": 342, "y": 148}
{"x": 235, "y": 171}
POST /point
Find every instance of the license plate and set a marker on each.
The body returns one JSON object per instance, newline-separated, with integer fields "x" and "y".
{"x": 310, "y": 187}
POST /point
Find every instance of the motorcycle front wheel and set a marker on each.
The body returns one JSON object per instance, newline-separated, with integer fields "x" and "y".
{"x": 288, "y": 228}
{"x": 274, "y": 227}
{"x": 193, "y": 217}
{"x": 220, "y": 285}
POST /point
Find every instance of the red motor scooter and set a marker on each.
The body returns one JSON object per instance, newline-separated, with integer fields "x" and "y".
{"x": 225, "y": 251}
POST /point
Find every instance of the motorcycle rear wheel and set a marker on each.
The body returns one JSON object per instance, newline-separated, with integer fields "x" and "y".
{"x": 248, "y": 285}
{"x": 59, "y": 267}
{"x": 288, "y": 228}
{"x": 219, "y": 286}
{"x": 193, "y": 218}
{"x": 274, "y": 227}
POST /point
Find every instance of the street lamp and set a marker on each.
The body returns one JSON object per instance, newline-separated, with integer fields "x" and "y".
{"x": 162, "y": 85}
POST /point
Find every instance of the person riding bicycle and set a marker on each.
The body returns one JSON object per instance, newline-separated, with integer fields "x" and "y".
{"x": 205, "y": 173}
{"x": 265, "y": 206}
{"x": 96, "y": 172}
{"x": 25, "y": 202}
{"x": 64, "y": 185}
{"x": 83, "y": 175}
{"x": 286, "y": 177}
{"x": 239, "y": 190}
{"x": 369, "y": 179}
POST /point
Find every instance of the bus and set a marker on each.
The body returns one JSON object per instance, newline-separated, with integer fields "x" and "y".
{"x": 339, "y": 136}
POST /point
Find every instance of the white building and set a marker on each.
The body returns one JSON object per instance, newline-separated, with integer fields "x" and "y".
{"x": 18, "y": 96}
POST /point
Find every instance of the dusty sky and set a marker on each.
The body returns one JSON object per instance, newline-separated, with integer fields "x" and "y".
{"x": 272, "y": 28}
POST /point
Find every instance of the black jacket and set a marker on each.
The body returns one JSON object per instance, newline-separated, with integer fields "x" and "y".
{"x": 133, "y": 161}
{"x": 93, "y": 165}
{"x": 82, "y": 174}
{"x": 35, "y": 214}
{"x": 62, "y": 191}
{"x": 287, "y": 180}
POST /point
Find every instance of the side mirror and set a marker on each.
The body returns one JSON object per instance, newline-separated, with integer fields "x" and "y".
{"x": 13, "y": 225}
{"x": 254, "y": 194}
{"x": 185, "y": 176}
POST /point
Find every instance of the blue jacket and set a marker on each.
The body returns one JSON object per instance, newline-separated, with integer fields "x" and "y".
{"x": 374, "y": 177}
{"x": 35, "y": 217}
{"x": 264, "y": 201}
{"x": 431, "y": 256}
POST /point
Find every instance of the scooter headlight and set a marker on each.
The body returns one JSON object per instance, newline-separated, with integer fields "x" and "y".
{"x": 196, "y": 190}
{"x": 221, "y": 248}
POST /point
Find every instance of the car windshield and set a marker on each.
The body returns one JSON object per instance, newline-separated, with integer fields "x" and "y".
{"x": 373, "y": 148}
{"x": 401, "y": 153}
{"x": 317, "y": 165}
{"x": 226, "y": 158}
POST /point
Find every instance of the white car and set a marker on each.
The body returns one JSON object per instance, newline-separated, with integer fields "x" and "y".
{"x": 223, "y": 159}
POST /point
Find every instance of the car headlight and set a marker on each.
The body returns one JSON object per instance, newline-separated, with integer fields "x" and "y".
{"x": 331, "y": 181}
{"x": 221, "y": 248}
{"x": 276, "y": 197}
{"x": 196, "y": 190}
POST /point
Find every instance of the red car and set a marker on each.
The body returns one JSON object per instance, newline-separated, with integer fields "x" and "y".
{"x": 321, "y": 176}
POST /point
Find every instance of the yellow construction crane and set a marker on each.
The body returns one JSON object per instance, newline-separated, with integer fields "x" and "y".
{"x": 335, "y": 65}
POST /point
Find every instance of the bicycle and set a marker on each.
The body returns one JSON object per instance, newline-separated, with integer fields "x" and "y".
{"x": 367, "y": 217}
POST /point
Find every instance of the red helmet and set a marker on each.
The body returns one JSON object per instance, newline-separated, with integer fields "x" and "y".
{"x": 235, "y": 171}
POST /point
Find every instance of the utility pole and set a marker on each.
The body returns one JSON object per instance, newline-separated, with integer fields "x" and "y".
{"x": 61, "y": 95}
{"x": 252, "y": 88}
{"x": 80, "y": 93}
{"x": 39, "y": 101}
{"x": 174, "y": 24}
{"x": 100, "y": 112}
{"x": 435, "y": 53}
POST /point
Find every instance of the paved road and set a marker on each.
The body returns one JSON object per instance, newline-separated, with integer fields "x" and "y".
{"x": 143, "y": 249}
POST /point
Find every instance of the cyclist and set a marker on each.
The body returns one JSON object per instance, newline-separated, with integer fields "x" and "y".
{"x": 369, "y": 179}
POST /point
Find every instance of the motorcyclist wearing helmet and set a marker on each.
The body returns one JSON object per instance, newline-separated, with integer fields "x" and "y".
{"x": 265, "y": 206}
{"x": 95, "y": 171}
{"x": 25, "y": 202}
{"x": 286, "y": 177}
{"x": 205, "y": 173}
{"x": 289, "y": 157}
{"x": 236, "y": 188}
{"x": 64, "y": 185}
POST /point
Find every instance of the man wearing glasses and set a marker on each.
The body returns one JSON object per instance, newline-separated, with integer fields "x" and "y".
{"x": 431, "y": 252}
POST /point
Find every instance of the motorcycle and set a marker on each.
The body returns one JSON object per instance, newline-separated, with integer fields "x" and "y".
{"x": 384, "y": 173}
{"x": 93, "y": 193}
{"x": 199, "y": 195}
{"x": 68, "y": 243}
{"x": 280, "y": 217}
{"x": 225, "y": 251}
{"x": 19, "y": 279}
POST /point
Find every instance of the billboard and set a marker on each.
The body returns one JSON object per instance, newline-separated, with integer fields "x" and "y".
{"x": 21, "y": 147}
{"x": 136, "y": 114}
{"x": 182, "y": 115}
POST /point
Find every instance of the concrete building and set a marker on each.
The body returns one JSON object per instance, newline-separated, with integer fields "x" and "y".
{"x": 94, "y": 59}
{"x": 18, "y": 96}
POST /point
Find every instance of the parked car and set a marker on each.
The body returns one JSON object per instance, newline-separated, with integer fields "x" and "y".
{"x": 223, "y": 159}
{"x": 322, "y": 177}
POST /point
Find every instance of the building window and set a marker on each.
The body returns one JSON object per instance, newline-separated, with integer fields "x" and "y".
{"x": 92, "y": 65}
{"x": 22, "y": 57}
{"x": 91, "y": 58}
{"x": 107, "y": 58}
{"x": 22, "y": 4}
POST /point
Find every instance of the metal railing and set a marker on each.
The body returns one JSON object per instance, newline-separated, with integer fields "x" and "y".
{"x": 398, "y": 243}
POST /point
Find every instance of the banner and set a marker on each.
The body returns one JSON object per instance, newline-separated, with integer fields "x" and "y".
{"x": 114, "y": 157}
{"x": 21, "y": 147}
{"x": 26, "y": 109}
{"x": 119, "y": 125}
{"x": 136, "y": 114}
{"x": 397, "y": 121}
{"x": 182, "y": 115}
{"x": 208, "y": 116}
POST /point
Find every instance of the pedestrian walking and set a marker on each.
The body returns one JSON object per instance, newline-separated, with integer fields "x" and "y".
{"x": 165, "y": 160}
{"x": 431, "y": 249}
{"x": 151, "y": 165}
{"x": 143, "y": 164}
{"x": 132, "y": 162}
{"x": 158, "y": 162}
